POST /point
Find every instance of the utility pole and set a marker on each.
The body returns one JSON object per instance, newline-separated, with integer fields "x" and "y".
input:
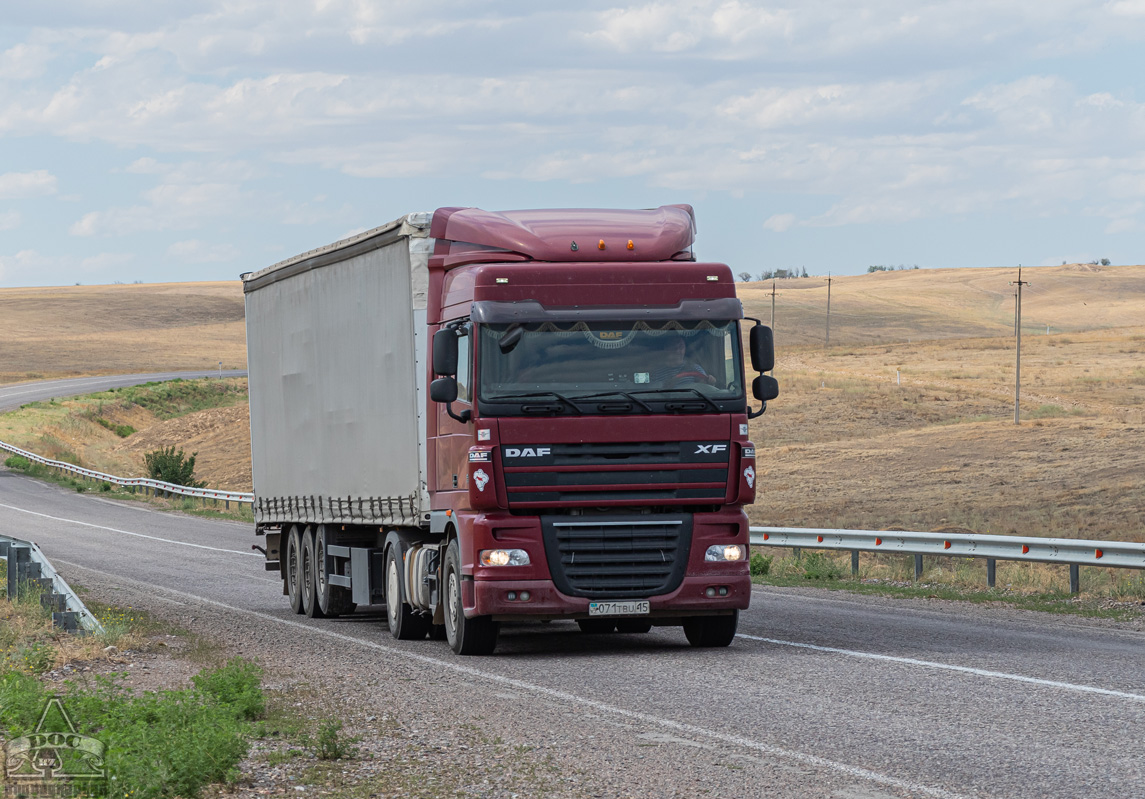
{"x": 1018, "y": 337}
{"x": 773, "y": 305}
{"x": 828, "y": 344}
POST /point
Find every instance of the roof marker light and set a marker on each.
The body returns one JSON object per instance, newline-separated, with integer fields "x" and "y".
{"x": 713, "y": 278}
{"x": 502, "y": 280}
{"x": 631, "y": 246}
{"x": 601, "y": 245}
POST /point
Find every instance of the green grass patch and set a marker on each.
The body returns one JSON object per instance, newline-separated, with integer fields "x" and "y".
{"x": 121, "y": 430}
{"x": 175, "y": 398}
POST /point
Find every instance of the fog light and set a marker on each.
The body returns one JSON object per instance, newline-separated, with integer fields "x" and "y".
{"x": 723, "y": 590}
{"x": 710, "y": 591}
{"x": 504, "y": 557}
{"x": 511, "y": 595}
{"x": 524, "y": 596}
{"x": 725, "y": 552}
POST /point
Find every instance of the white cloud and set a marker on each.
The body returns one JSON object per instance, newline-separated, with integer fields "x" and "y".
{"x": 20, "y": 185}
{"x": 24, "y": 62}
{"x": 194, "y": 251}
{"x": 10, "y": 220}
{"x": 779, "y": 222}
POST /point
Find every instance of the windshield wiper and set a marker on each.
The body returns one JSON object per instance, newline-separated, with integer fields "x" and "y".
{"x": 695, "y": 391}
{"x": 533, "y": 394}
{"x": 627, "y": 395}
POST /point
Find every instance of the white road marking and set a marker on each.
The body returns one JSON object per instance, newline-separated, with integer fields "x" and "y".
{"x": 573, "y": 699}
{"x": 930, "y": 664}
{"x": 128, "y": 532}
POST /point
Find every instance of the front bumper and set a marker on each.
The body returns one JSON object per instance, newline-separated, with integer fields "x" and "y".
{"x": 490, "y": 598}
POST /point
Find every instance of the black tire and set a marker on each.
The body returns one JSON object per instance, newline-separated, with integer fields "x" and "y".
{"x": 309, "y": 577}
{"x": 405, "y": 625}
{"x": 293, "y": 559}
{"x": 476, "y": 636}
{"x": 596, "y": 626}
{"x": 633, "y": 626}
{"x": 333, "y": 600}
{"x": 711, "y": 631}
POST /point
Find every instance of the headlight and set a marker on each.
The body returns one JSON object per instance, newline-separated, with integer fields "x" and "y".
{"x": 504, "y": 557}
{"x": 719, "y": 552}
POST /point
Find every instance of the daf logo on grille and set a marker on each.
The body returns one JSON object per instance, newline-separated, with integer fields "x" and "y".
{"x": 527, "y": 452}
{"x": 710, "y": 449}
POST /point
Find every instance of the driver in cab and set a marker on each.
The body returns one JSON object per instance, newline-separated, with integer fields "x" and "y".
{"x": 677, "y": 369}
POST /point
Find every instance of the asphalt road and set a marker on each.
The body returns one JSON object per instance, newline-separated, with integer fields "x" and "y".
{"x": 14, "y": 395}
{"x": 822, "y": 695}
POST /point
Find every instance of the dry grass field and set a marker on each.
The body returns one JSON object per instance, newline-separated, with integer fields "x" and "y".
{"x": 91, "y": 330}
{"x": 906, "y": 420}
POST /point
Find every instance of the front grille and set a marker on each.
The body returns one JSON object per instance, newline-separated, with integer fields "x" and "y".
{"x": 617, "y": 556}
{"x": 644, "y": 472}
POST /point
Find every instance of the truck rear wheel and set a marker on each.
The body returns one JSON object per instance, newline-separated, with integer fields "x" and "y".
{"x": 334, "y": 600}
{"x": 476, "y": 636}
{"x": 711, "y": 631}
{"x": 405, "y": 625}
{"x": 293, "y": 576}
{"x": 309, "y": 576}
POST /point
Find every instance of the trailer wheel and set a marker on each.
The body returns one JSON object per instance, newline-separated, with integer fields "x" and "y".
{"x": 294, "y": 568}
{"x": 405, "y": 625}
{"x": 633, "y": 626}
{"x": 334, "y": 600}
{"x": 476, "y": 636}
{"x": 711, "y": 631}
{"x": 309, "y": 576}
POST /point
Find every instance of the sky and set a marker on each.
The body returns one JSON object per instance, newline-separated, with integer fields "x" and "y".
{"x": 185, "y": 141}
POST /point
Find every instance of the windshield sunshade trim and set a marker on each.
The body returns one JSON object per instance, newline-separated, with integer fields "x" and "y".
{"x": 495, "y": 312}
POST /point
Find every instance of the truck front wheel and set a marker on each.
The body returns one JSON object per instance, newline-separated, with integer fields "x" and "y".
{"x": 405, "y": 625}
{"x": 476, "y": 636}
{"x": 711, "y": 631}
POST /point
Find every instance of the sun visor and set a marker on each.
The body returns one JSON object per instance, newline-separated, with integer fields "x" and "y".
{"x": 499, "y": 313}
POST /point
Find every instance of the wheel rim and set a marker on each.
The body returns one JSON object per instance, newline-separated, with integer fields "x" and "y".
{"x": 320, "y": 557}
{"x": 307, "y": 571}
{"x": 393, "y": 601}
{"x": 292, "y": 565}
{"x": 453, "y": 599}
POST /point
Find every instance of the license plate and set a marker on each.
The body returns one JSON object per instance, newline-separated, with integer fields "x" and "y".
{"x": 624, "y": 607}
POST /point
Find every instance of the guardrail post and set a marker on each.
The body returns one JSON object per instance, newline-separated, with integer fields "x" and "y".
{"x": 1074, "y": 578}
{"x": 796, "y": 553}
{"x": 991, "y": 571}
{"x": 854, "y": 563}
{"x": 917, "y": 568}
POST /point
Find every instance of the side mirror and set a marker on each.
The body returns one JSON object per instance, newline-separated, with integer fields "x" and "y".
{"x": 761, "y": 342}
{"x": 445, "y": 355}
{"x": 443, "y": 389}
{"x": 763, "y": 388}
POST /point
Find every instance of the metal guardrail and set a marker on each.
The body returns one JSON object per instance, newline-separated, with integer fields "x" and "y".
{"x": 28, "y": 567}
{"x": 154, "y": 486}
{"x": 1065, "y": 551}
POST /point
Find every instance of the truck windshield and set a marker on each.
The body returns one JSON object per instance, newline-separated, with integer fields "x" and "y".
{"x": 610, "y": 367}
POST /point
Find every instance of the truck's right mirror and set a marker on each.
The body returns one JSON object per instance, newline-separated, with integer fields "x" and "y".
{"x": 764, "y": 388}
{"x": 762, "y": 345}
{"x": 445, "y": 354}
{"x": 444, "y": 389}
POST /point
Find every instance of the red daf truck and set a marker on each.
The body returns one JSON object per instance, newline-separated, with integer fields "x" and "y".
{"x": 475, "y": 417}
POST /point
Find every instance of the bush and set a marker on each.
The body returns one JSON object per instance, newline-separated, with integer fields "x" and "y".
{"x": 817, "y": 566}
{"x": 173, "y": 467}
{"x": 329, "y": 743}
{"x": 235, "y": 685}
{"x": 760, "y": 564}
{"x": 18, "y": 462}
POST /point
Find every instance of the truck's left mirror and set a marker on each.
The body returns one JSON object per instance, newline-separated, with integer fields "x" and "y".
{"x": 444, "y": 389}
{"x": 445, "y": 354}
